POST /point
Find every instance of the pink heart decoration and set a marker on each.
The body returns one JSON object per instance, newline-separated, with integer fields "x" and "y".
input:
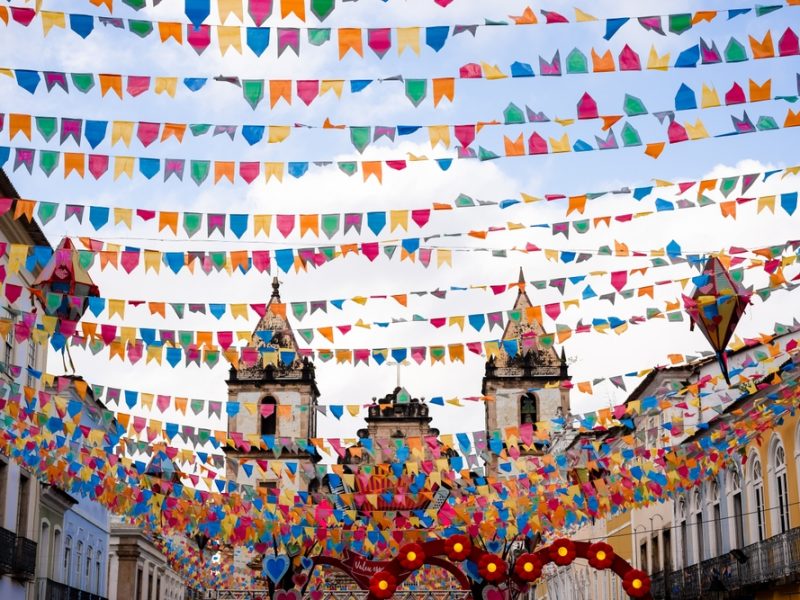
{"x": 492, "y": 593}
{"x": 287, "y": 595}
{"x": 299, "y": 579}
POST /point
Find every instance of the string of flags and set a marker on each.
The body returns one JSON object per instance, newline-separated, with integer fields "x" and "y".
{"x": 416, "y": 89}
{"x": 380, "y": 40}
{"x": 206, "y": 347}
{"x": 331, "y": 224}
{"x": 784, "y": 394}
{"x": 199, "y": 170}
{"x": 96, "y": 132}
{"x": 475, "y": 443}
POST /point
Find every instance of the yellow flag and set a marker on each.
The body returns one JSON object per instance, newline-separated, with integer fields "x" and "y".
{"x": 582, "y": 17}
{"x": 152, "y": 260}
{"x": 439, "y": 134}
{"x": 444, "y": 257}
{"x": 408, "y": 37}
{"x": 709, "y": 97}
{"x": 278, "y": 133}
{"x": 122, "y": 130}
{"x": 166, "y": 85}
{"x": 491, "y": 71}
{"x": 123, "y": 215}
{"x": 262, "y": 223}
{"x": 116, "y": 307}
{"x": 52, "y": 19}
{"x": 657, "y": 63}
{"x": 561, "y": 145}
{"x": 766, "y": 202}
{"x": 229, "y": 37}
{"x": 273, "y": 169}
{"x": 696, "y": 131}
{"x": 334, "y": 85}
{"x": 229, "y": 7}
{"x": 398, "y": 218}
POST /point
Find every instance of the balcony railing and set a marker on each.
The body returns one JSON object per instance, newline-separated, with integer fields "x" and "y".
{"x": 7, "y": 541}
{"x": 775, "y": 560}
{"x": 24, "y": 565}
{"x": 52, "y": 590}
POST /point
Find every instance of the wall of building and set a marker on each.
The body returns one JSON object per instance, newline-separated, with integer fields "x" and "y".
{"x": 137, "y": 570}
{"x": 24, "y": 354}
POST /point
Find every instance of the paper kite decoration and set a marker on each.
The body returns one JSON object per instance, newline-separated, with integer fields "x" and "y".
{"x": 68, "y": 282}
{"x": 716, "y": 307}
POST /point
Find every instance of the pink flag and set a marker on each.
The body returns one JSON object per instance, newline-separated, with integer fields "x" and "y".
{"x": 379, "y": 40}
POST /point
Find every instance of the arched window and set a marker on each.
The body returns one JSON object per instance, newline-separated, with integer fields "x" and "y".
{"x": 716, "y": 516}
{"x": 98, "y": 562}
{"x": 88, "y": 572}
{"x": 269, "y": 420}
{"x": 736, "y": 507}
{"x": 66, "y": 571}
{"x": 756, "y": 486}
{"x": 58, "y": 551}
{"x": 683, "y": 532}
{"x": 779, "y": 483}
{"x": 697, "y": 507}
{"x": 43, "y": 568}
{"x": 527, "y": 409}
{"x": 78, "y": 564}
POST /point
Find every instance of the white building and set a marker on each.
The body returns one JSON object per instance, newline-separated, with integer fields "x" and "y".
{"x": 19, "y": 489}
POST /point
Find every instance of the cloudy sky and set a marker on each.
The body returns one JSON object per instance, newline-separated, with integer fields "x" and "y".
{"x": 592, "y": 355}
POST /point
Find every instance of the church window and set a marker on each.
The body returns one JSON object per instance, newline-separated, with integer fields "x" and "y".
{"x": 269, "y": 418}
{"x": 527, "y": 409}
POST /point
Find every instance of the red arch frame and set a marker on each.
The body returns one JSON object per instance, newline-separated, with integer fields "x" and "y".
{"x": 435, "y": 548}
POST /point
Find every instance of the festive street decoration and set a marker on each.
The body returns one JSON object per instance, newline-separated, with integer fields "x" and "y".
{"x": 271, "y": 502}
{"x": 716, "y": 306}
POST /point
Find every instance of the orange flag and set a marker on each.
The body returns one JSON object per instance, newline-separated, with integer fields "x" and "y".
{"x": 654, "y": 150}
{"x": 111, "y": 82}
{"x": 443, "y": 87}
{"x": 372, "y": 167}
{"x": 297, "y": 7}
{"x": 350, "y": 38}
{"x": 280, "y": 88}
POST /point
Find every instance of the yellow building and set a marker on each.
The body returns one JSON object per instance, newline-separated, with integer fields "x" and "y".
{"x": 738, "y": 534}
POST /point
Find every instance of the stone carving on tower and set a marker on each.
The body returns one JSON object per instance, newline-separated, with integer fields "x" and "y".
{"x": 526, "y": 386}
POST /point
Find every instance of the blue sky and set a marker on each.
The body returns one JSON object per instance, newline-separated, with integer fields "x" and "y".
{"x": 593, "y": 355}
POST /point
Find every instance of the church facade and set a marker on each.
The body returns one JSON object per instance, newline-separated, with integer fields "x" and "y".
{"x": 524, "y": 378}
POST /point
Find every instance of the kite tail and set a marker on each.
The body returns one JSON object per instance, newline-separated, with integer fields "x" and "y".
{"x": 723, "y": 365}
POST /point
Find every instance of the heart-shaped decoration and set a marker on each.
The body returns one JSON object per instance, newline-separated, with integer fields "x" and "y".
{"x": 315, "y": 594}
{"x": 472, "y": 570}
{"x": 299, "y": 579}
{"x": 306, "y": 563}
{"x": 494, "y": 546}
{"x": 492, "y": 593}
{"x": 276, "y": 567}
{"x": 287, "y": 595}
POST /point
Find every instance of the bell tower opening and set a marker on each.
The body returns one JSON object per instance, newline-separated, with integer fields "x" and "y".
{"x": 269, "y": 418}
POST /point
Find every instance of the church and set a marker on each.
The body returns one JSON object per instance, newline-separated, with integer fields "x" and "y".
{"x": 525, "y": 388}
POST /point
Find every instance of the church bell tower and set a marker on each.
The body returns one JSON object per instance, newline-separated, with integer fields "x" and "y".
{"x": 277, "y": 398}
{"x": 525, "y": 384}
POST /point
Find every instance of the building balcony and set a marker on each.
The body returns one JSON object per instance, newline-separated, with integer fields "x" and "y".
{"x": 7, "y": 542}
{"x": 24, "y": 564}
{"x": 775, "y": 561}
{"x": 47, "y": 589}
